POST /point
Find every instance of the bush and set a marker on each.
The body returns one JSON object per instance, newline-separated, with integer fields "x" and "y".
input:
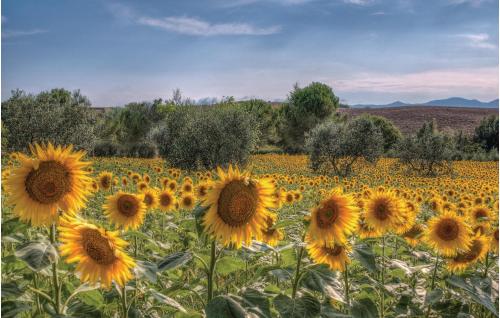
{"x": 144, "y": 149}
{"x": 486, "y": 133}
{"x": 337, "y": 146}
{"x": 306, "y": 108}
{"x": 428, "y": 153}
{"x": 106, "y": 148}
{"x": 390, "y": 133}
{"x": 58, "y": 116}
{"x": 195, "y": 137}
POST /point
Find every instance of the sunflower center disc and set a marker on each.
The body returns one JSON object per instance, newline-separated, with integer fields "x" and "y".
{"x": 415, "y": 231}
{"x": 165, "y": 200}
{"x": 480, "y": 214}
{"x": 105, "y": 182}
{"x": 148, "y": 199}
{"x": 448, "y": 230}
{"x": 97, "y": 247}
{"x": 237, "y": 203}
{"x": 328, "y": 213}
{"x": 382, "y": 210}
{"x": 335, "y": 251}
{"x": 495, "y": 234}
{"x": 128, "y": 205}
{"x": 49, "y": 183}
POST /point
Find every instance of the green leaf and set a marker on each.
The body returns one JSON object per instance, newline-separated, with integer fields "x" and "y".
{"x": 174, "y": 260}
{"x": 91, "y": 297}
{"x": 12, "y": 289}
{"x": 78, "y": 309}
{"x": 199, "y": 213}
{"x": 229, "y": 264}
{"x": 38, "y": 255}
{"x": 12, "y": 308}
{"x": 225, "y": 307}
{"x": 364, "y": 308}
{"x": 433, "y": 296}
{"x": 167, "y": 301}
{"x": 475, "y": 293}
{"x": 364, "y": 254}
{"x": 145, "y": 269}
{"x": 306, "y": 306}
{"x": 256, "y": 302}
{"x": 321, "y": 279}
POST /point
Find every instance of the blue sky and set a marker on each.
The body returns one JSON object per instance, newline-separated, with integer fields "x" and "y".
{"x": 368, "y": 51}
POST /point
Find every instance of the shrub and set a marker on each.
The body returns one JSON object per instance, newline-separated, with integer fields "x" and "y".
{"x": 487, "y": 133}
{"x": 428, "y": 153}
{"x": 58, "y": 116}
{"x": 143, "y": 149}
{"x": 195, "y": 137}
{"x": 106, "y": 148}
{"x": 306, "y": 108}
{"x": 337, "y": 146}
{"x": 390, "y": 133}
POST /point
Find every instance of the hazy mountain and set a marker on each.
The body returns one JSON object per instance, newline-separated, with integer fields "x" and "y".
{"x": 449, "y": 102}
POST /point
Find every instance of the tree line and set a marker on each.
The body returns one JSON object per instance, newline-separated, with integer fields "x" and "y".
{"x": 204, "y": 136}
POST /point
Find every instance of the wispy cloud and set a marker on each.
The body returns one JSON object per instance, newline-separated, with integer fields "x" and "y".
{"x": 474, "y": 3}
{"x": 6, "y": 34}
{"x": 359, "y": 2}
{"x": 195, "y": 26}
{"x": 478, "y": 40}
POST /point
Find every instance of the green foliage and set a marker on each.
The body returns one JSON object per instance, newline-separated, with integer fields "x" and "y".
{"x": 335, "y": 147}
{"x": 5, "y": 136}
{"x": 390, "y": 133}
{"x": 429, "y": 152}
{"x": 106, "y": 148}
{"x": 486, "y": 133}
{"x": 266, "y": 118}
{"x": 58, "y": 116}
{"x": 306, "y": 108}
{"x": 196, "y": 137}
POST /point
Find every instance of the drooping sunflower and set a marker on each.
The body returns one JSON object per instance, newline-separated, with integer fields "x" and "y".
{"x": 187, "y": 201}
{"x": 105, "y": 180}
{"x": 480, "y": 214}
{"x": 384, "y": 211}
{"x": 335, "y": 256}
{"x": 413, "y": 235}
{"x": 99, "y": 253}
{"x": 335, "y": 218}
{"x": 125, "y": 209}
{"x": 150, "y": 198}
{"x": 270, "y": 234}
{"x": 166, "y": 200}
{"x": 202, "y": 190}
{"x": 142, "y": 186}
{"x": 477, "y": 252}
{"x": 364, "y": 231}
{"x": 448, "y": 234}
{"x": 238, "y": 207}
{"x": 56, "y": 179}
{"x": 494, "y": 241}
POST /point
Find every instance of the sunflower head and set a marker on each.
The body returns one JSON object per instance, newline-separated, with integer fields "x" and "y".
{"x": 166, "y": 200}
{"x": 335, "y": 256}
{"x": 187, "y": 201}
{"x": 105, "y": 179}
{"x": 270, "y": 234}
{"x": 384, "y": 211}
{"x": 125, "y": 209}
{"x": 477, "y": 252}
{"x": 150, "y": 198}
{"x": 448, "y": 234}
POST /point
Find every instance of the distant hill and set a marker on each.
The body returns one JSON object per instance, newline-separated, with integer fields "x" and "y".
{"x": 448, "y": 102}
{"x": 410, "y": 118}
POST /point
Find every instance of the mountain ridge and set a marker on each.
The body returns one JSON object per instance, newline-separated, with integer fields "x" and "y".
{"x": 447, "y": 102}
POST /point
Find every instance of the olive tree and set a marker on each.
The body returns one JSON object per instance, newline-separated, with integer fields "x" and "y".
{"x": 337, "y": 146}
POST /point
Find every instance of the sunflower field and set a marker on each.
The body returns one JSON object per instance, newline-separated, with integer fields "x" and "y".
{"x": 122, "y": 237}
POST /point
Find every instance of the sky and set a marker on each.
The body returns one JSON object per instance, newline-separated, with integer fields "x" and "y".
{"x": 368, "y": 51}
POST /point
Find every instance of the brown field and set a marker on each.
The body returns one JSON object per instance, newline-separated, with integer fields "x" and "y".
{"x": 410, "y": 118}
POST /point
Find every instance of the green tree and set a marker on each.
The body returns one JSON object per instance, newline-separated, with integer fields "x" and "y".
{"x": 390, "y": 133}
{"x": 266, "y": 119}
{"x": 306, "y": 108}
{"x": 58, "y": 115}
{"x": 487, "y": 132}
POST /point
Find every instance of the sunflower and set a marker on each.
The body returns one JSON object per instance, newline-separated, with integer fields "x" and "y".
{"x": 365, "y": 231}
{"x": 413, "y": 235}
{"x": 105, "y": 180}
{"x": 289, "y": 197}
{"x": 449, "y": 234}
{"x": 146, "y": 178}
{"x": 334, "y": 219}
{"x": 238, "y": 207}
{"x": 480, "y": 214}
{"x": 335, "y": 256}
{"x": 125, "y": 209}
{"x": 384, "y": 211}
{"x": 166, "y": 200}
{"x": 56, "y": 179}
{"x": 202, "y": 190}
{"x": 494, "y": 241}
{"x": 124, "y": 181}
{"x": 142, "y": 186}
{"x": 187, "y": 201}
{"x": 187, "y": 187}
{"x": 477, "y": 252}
{"x": 172, "y": 185}
{"x": 271, "y": 235}
{"x": 99, "y": 253}
{"x": 150, "y": 198}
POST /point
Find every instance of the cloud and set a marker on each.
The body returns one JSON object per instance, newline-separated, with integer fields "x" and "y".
{"x": 478, "y": 40}
{"x": 194, "y": 26}
{"x": 359, "y": 2}
{"x": 474, "y": 3}
{"x": 17, "y": 33}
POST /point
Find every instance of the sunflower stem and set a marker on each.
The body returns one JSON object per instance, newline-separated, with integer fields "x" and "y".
{"x": 297, "y": 273}
{"x": 55, "y": 277}
{"x": 211, "y": 272}
{"x": 346, "y": 285}
{"x": 38, "y": 304}
{"x": 124, "y": 302}
{"x": 382, "y": 276}
{"x": 433, "y": 282}
{"x": 486, "y": 265}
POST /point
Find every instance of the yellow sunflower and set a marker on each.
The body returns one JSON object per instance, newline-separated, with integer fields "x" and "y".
{"x": 271, "y": 235}
{"x": 413, "y": 235}
{"x": 480, "y": 214}
{"x": 56, "y": 179}
{"x": 384, "y": 211}
{"x": 476, "y": 253}
{"x": 150, "y": 198}
{"x": 125, "y": 209}
{"x": 187, "y": 201}
{"x": 238, "y": 207}
{"x": 105, "y": 180}
{"x": 142, "y": 186}
{"x": 202, "y": 190}
{"x": 335, "y": 256}
{"x": 334, "y": 219}
{"x": 166, "y": 200}
{"x": 448, "y": 234}
{"x": 99, "y": 253}
{"x": 494, "y": 241}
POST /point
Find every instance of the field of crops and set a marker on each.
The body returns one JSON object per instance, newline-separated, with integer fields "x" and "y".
{"x": 120, "y": 237}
